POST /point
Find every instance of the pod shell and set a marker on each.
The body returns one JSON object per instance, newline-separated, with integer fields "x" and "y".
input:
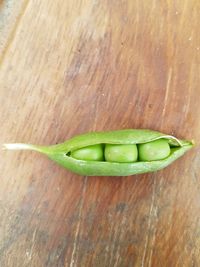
{"x": 59, "y": 153}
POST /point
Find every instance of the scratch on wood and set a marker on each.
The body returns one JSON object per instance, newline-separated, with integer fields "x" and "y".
{"x": 149, "y": 223}
{"x": 114, "y": 241}
{"x": 115, "y": 233}
{"x": 136, "y": 24}
{"x": 115, "y": 238}
{"x": 29, "y": 254}
{"x": 117, "y": 259}
{"x": 12, "y": 35}
{"x": 73, "y": 259}
{"x": 188, "y": 99}
{"x": 195, "y": 175}
{"x": 153, "y": 241}
{"x": 154, "y": 229}
{"x": 153, "y": 5}
{"x": 85, "y": 20}
{"x": 96, "y": 111}
{"x": 107, "y": 246}
{"x": 121, "y": 236}
{"x": 184, "y": 9}
{"x": 169, "y": 77}
{"x": 108, "y": 98}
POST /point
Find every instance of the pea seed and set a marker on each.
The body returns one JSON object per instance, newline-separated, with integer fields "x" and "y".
{"x": 155, "y": 150}
{"x": 90, "y": 153}
{"x": 121, "y": 153}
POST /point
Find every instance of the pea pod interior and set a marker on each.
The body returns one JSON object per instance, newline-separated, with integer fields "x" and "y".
{"x": 61, "y": 152}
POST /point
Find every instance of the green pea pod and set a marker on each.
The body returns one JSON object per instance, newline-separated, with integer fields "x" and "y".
{"x": 61, "y": 152}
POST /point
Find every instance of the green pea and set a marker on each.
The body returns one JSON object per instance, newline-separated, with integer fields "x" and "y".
{"x": 94, "y": 152}
{"x": 155, "y": 150}
{"x": 120, "y": 153}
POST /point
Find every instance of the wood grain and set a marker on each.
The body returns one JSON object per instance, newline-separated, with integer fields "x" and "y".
{"x": 69, "y": 67}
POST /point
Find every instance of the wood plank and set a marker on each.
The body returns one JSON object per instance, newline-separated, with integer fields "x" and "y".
{"x": 70, "y": 67}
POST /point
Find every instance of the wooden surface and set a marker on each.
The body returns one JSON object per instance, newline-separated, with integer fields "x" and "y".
{"x": 69, "y": 67}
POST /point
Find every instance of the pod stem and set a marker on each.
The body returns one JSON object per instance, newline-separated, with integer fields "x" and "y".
{"x": 21, "y": 146}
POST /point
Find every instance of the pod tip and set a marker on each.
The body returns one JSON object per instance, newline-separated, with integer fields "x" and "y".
{"x": 7, "y": 146}
{"x": 21, "y": 146}
{"x": 193, "y": 142}
{"x": 16, "y": 146}
{"x": 3, "y": 146}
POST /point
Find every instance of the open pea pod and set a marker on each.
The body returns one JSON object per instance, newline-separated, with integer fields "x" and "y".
{"x": 61, "y": 153}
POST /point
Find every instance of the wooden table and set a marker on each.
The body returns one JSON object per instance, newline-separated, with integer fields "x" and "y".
{"x": 69, "y": 67}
